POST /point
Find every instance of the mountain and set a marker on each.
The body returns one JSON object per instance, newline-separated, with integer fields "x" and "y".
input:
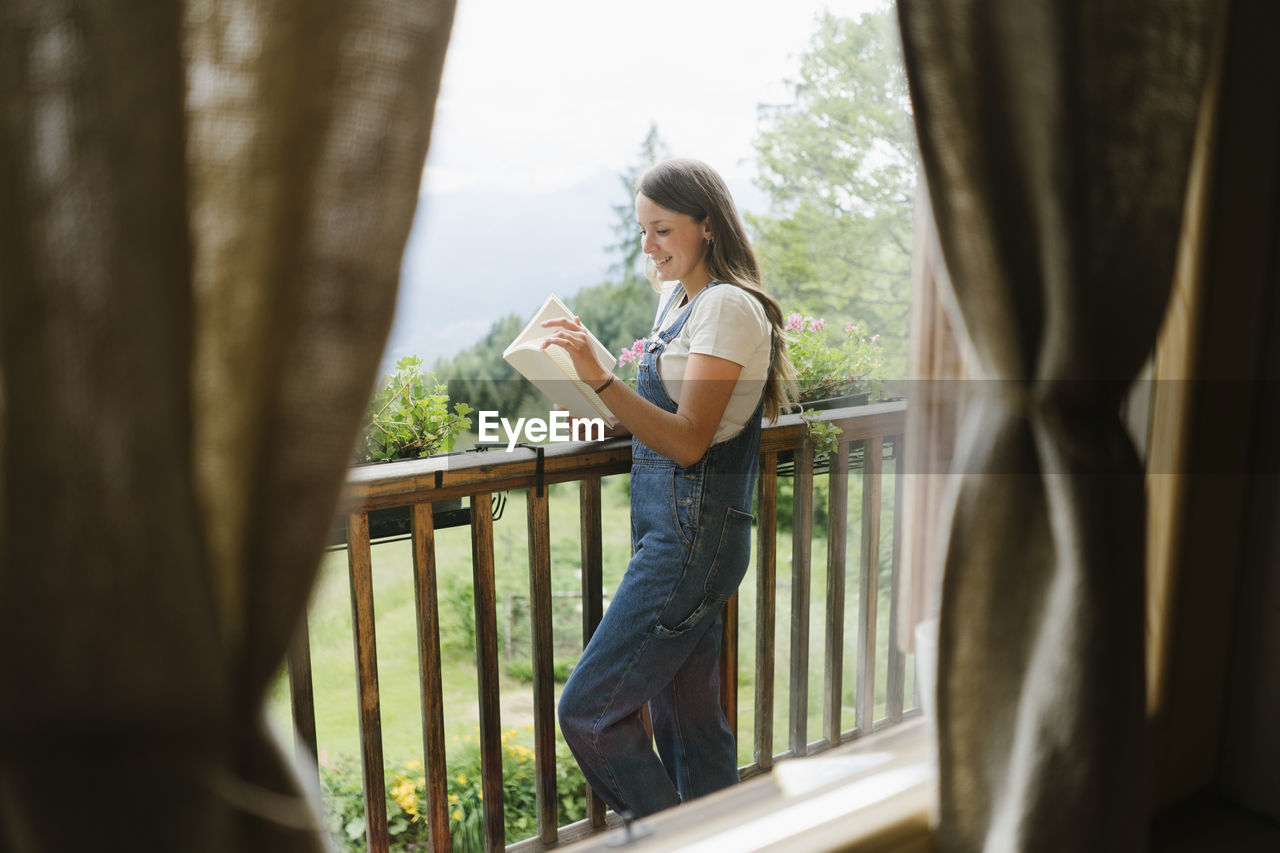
{"x": 475, "y": 256}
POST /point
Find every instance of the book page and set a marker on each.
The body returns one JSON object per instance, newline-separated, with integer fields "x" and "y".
{"x": 551, "y": 370}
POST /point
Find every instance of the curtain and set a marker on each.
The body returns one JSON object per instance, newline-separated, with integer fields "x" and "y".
{"x": 203, "y": 207}
{"x": 1055, "y": 138}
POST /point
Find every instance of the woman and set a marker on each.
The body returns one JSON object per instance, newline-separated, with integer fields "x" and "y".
{"x": 714, "y": 364}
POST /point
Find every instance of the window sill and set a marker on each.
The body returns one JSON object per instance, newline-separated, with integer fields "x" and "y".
{"x": 875, "y": 794}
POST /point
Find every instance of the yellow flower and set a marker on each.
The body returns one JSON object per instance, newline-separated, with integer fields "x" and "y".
{"x": 414, "y": 765}
{"x": 462, "y": 778}
{"x": 457, "y": 815}
{"x": 405, "y": 796}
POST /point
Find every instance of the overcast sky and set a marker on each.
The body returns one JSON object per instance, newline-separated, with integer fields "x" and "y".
{"x": 539, "y": 95}
{"x": 542, "y": 106}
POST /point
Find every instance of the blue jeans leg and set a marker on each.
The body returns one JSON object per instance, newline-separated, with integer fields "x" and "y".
{"x": 624, "y": 666}
{"x": 689, "y": 726}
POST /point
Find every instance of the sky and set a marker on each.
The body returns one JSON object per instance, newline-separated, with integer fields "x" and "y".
{"x": 542, "y": 106}
{"x": 541, "y": 95}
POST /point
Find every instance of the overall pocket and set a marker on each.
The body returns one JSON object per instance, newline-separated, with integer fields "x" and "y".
{"x": 686, "y": 502}
{"x": 700, "y": 594}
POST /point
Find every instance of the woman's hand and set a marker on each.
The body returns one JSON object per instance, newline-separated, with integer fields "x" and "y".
{"x": 573, "y": 338}
{"x": 683, "y": 435}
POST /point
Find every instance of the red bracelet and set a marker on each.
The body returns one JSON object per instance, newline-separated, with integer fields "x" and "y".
{"x": 606, "y": 384}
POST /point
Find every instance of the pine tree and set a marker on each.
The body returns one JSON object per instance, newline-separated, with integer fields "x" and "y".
{"x": 653, "y": 150}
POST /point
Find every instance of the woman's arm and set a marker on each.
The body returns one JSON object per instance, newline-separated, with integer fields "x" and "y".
{"x": 683, "y": 435}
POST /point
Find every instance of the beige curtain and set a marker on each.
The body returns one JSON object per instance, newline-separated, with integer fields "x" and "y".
{"x": 1055, "y": 138}
{"x": 203, "y": 207}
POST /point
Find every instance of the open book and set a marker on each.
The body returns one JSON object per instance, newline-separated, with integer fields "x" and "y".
{"x": 551, "y": 370}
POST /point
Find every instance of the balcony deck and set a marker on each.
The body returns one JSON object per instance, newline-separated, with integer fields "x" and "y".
{"x": 867, "y": 432}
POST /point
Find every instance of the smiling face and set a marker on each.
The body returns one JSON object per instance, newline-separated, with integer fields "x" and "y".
{"x": 675, "y": 244}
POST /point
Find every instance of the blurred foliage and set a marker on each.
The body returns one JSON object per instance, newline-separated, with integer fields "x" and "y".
{"x": 839, "y": 166}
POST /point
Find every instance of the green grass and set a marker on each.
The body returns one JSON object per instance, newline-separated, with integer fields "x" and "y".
{"x": 333, "y": 669}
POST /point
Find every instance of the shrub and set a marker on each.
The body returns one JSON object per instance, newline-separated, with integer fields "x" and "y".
{"x": 406, "y": 797}
{"x": 522, "y": 670}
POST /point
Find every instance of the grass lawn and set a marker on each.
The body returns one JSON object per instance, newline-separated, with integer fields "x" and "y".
{"x": 333, "y": 667}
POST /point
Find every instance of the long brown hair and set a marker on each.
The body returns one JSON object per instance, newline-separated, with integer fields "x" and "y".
{"x": 692, "y": 187}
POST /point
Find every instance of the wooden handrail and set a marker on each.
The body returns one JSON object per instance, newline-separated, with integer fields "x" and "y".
{"x": 478, "y": 476}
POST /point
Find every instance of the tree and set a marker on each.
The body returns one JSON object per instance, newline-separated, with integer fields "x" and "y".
{"x": 652, "y": 151}
{"x": 839, "y": 167}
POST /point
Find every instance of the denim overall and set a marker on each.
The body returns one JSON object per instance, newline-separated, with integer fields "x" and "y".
{"x": 659, "y": 641}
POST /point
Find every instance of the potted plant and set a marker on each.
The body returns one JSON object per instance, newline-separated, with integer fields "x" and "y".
{"x": 409, "y": 417}
{"x": 832, "y": 369}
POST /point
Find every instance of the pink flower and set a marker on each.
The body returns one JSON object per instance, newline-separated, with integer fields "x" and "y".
{"x": 795, "y": 323}
{"x": 626, "y": 358}
{"x": 875, "y": 338}
{"x": 638, "y": 347}
{"x": 848, "y": 326}
{"x": 816, "y": 325}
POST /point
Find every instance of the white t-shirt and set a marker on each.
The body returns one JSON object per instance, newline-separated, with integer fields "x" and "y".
{"x": 729, "y": 323}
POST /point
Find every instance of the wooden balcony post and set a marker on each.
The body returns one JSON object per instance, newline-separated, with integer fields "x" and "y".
{"x": 591, "y": 542}
{"x": 729, "y": 665}
{"x": 544, "y": 710}
{"x": 801, "y": 551}
{"x": 427, "y": 611}
{"x": 865, "y": 703}
{"x": 837, "y": 517}
{"x": 360, "y": 566}
{"x": 766, "y": 594}
{"x": 302, "y": 697}
{"x": 895, "y": 688}
{"x": 486, "y": 605}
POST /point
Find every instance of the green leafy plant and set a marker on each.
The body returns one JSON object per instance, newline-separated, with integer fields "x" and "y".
{"x": 830, "y": 364}
{"x": 522, "y": 670}
{"x": 409, "y": 416}
{"x": 824, "y": 434}
{"x": 406, "y": 792}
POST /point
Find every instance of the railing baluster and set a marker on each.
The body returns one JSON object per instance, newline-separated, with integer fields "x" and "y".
{"x": 302, "y": 698}
{"x": 486, "y": 602}
{"x": 360, "y": 569}
{"x": 801, "y": 548}
{"x": 427, "y": 611}
{"x": 375, "y": 489}
{"x": 837, "y": 517}
{"x": 729, "y": 665}
{"x": 766, "y": 585}
{"x": 544, "y": 711}
{"x": 591, "y": 543}
{"x": 865, "y": 704}
{"x": 897, "y": 675}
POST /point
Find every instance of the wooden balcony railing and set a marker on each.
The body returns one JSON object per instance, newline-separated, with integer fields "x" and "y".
{"x": 867, "y": 431}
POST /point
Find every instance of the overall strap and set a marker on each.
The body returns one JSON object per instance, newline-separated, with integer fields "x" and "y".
{"x": 666, "y": 309}
{"x": 678, "y": 324}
